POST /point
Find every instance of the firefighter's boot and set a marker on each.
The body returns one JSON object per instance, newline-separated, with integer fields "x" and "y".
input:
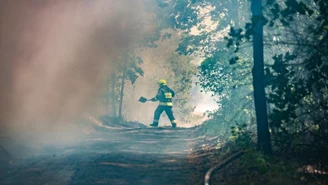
{"x": 154, "y": 124}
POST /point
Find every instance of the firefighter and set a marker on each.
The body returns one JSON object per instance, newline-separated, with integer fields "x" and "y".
{"x": 164, "y": 96}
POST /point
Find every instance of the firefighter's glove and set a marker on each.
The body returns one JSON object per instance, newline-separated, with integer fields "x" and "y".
{"x": 153, "y": 99}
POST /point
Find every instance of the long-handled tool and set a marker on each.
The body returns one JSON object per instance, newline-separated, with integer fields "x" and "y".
{"x": 143, "y": 99}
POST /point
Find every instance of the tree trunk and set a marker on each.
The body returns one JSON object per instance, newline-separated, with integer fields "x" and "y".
{"x": 263, "y": 134}
{"x": 107, "y": 96}
{"x": 121, "y": 94}
{"x": 113, "y": 95}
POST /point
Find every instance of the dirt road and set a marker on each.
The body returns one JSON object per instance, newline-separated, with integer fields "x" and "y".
{"x": 126, "y": 156}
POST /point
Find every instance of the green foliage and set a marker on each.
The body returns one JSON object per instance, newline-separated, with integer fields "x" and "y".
{"x": 233, "y": 84}
{"x": 182, "y": 72}
{"x": 243, "y": 137}
{"x": 133, "y": 69}
{"x": 224, "y": 120}
{"x": 296, "y": 80}
{"x": 255, "y": 168}
{"x": 187, "y": 15}
{"x": 255, "y": 162}
{"x": 296, "y": 75}
{"x": 127, "y": 68}
{"x": 296, "y": 66}
{"x": 218, "y": 76}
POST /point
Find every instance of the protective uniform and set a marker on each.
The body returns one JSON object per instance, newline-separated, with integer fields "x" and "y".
{"x": 164, "y": 96}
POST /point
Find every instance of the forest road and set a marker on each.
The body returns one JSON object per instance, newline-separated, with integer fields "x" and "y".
{"x": 144, "y": 156}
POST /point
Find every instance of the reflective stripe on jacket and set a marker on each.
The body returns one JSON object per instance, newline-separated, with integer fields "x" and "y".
{"x": 165, "y": 95}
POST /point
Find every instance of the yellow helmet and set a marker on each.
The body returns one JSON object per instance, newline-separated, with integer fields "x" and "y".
{"x": 162, "y": 82}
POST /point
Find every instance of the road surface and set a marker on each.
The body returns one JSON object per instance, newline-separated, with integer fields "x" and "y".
{"x": 117, "y": 156}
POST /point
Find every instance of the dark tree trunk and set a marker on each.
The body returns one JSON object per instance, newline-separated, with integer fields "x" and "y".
{"x": 107, "y": 96}
{"x": 263, "y": 138}
{"x": 122, "y": 94}
{"x": 113, "y": 97}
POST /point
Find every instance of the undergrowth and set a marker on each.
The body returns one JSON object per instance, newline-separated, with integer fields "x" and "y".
{"x": 255, "y": 168}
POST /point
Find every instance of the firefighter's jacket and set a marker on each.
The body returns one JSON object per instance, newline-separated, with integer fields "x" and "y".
{"x": 164, "y": 96}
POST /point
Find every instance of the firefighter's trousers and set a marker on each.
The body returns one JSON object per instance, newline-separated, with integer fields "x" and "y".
{"x": 159, "y": 110}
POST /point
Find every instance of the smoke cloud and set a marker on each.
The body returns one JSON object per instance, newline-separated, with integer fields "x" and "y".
{"x": 56, "y": 55}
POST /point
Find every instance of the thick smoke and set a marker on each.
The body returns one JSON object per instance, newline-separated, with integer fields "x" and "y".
{"x": 55, "y": 57}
